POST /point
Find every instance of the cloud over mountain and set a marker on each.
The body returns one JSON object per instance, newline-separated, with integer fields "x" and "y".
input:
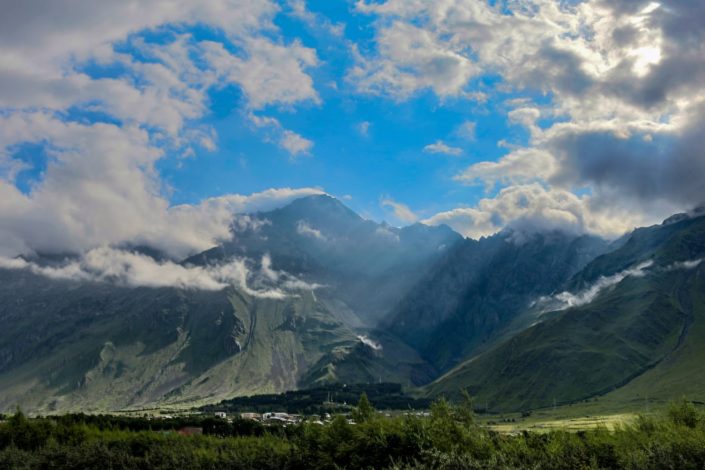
{"x": 125, "y": 268}
{"x": 104, "y": 107}
{"x": 100, "y": 184}
{"x": 625, "y": 83}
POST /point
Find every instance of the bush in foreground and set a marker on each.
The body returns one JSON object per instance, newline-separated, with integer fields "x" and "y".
{"x": 448, "y": 439}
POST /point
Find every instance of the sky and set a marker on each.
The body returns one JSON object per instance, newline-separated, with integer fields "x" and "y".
{"x": 153, "y": 122}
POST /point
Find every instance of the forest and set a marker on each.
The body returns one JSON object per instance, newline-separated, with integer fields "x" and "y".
{"x": 449, "y": 438}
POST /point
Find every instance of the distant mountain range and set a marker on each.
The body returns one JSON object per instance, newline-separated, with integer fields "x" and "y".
{"x": 521, "y": 320}
{"x": 632, "y": 326}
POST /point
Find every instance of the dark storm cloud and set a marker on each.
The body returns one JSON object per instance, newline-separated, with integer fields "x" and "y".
{"x": 670, "y": 167}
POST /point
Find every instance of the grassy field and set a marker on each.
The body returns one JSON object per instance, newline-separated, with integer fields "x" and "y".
{"x": 606, "y": 412}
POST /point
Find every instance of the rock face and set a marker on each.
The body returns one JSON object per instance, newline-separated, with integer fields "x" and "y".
{"x": 477, "y": 290}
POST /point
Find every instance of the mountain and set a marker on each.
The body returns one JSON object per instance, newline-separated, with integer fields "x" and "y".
{"x": 365, "y": 265}
{"x": 633, "y": 328}
{"x": 478, "y": 288}
{"x": 97, "y": 345}
{"x": 521, "y": 320}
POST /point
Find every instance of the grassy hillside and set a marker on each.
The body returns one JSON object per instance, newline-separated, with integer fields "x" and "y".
{"x": 393, "y": 361}
{"x": 90, "y": 346}
{"x": 641, "y": 338}
{"x": 146, "y": 346}
{"x": 681, "y": 373}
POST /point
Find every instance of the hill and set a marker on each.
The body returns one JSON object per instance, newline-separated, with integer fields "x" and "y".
{"x": 633, "y": 327}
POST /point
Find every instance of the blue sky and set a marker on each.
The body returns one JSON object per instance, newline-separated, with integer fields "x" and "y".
{"x": 365, "y": 147}
{"x": 156, "y": 127}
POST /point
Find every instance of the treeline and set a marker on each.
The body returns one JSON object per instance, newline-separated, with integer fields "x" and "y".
{"x": 448, "y": 439}
{"x": 383, "y": 396}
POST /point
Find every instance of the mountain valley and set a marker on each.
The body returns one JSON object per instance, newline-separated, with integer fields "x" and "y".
{"x": 521, "y": 320}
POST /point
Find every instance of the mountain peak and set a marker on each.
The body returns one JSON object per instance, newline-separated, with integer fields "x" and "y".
{"x": 320, "y": 204}
{"x": 675, "y": 218}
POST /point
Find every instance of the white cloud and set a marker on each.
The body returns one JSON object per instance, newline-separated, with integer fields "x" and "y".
{"x": 304, "y": 229}
{"x": 370, "y": 343}
{"x": 290, "y": 141}
{"x": 100, "y": 188}
{"x": 364, "y": 128}
{"x": 271, "y": 74}
{"x": 400, "y": 211}
{"x": 295, "y": 144}
{"x": 130, "y": 269}
{"x": 625, "y": 82}
{"x": 524, "y": 165}
{"x": 101, "y": 185}
{"x": 532, "y": 207}
{"x": 440, "y": 147}
{"x": 315, "y": 21}
{"x": 566, "y": 299}
{"x": 412, "y": 58}
{"x": 689, "y": 264}
{"x": 42, "y": 59}
{"x": 467, "y": 130}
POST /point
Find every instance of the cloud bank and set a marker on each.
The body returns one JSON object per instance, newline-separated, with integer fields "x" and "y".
{"x": 565, "y": 300}
{"x": 610, "y": 94}
{"x": 130, "y": 269}
{"x": 100, "y": 185}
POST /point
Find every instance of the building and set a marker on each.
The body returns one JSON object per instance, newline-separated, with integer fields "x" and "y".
{"x": 221, "y": 414}
{"x": 251, "y": 416}
{"x": 282, "y": 418}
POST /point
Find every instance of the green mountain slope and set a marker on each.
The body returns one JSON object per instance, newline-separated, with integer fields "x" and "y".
{"x": 100, "y": 347}
{"x": 644, "y": 330}
{"x": 479, "y": 287}
{"x": 680, "y": 373}
{"x": 383, "y": 358}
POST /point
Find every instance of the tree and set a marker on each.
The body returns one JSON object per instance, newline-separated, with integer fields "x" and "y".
{"x": 364, "y": 410}
{"x": 465, "y": 411}
{"x": 683, "y": 413}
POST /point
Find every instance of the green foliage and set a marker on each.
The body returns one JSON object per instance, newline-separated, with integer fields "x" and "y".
{"x": 364, "y": 410}
{"x": 643, "y": 338}
{"x": 683, "y": 413}
{"x": 448, "y": 439}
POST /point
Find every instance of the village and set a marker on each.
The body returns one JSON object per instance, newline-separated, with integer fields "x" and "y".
{"x": 269, "y": 419}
